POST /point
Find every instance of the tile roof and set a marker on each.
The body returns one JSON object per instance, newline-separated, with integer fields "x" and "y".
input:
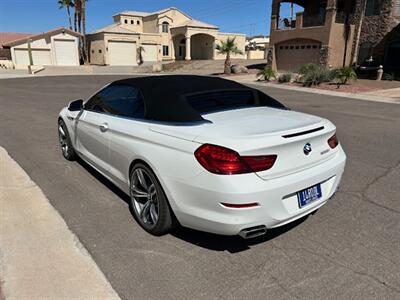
{"x": 196, "y": 23}
{"x": 114, "y": 28}
{"x": 39, "y": 35}
{"x": 6, "y": 37}
{"x": 134, "y": 13}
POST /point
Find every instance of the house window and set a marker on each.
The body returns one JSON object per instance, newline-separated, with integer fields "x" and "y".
{"x": 373, "y": 8}
{"x": 165, "y": 50}
{"x": 132, "y": 22}
{"x": 165, "y": 27}
{"x": 100, "y": 51}
{"x": 138, "y": 22}
{"x": 126, "y": 21}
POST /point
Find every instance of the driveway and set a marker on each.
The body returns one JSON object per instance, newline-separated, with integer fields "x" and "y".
{"x": 348, "y": 249}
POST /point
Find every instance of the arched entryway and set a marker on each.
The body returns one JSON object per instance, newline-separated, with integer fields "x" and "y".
{"x": 392, "y": 59}
{"x": 202, "y": 46}
{"x": 179, "y": 46}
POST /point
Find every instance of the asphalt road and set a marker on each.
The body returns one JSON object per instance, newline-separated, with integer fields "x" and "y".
{"x": 349, "y": 249}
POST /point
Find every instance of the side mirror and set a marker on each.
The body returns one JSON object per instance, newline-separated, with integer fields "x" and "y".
{"x": 75, "y": 105}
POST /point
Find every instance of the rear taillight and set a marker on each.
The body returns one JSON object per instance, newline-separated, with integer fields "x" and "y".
{"x": 224, "y": 161}
{"x": 333, "y": 141}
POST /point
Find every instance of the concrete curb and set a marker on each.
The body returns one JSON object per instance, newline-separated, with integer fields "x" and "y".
{"x": 40, "y": 258}
{"x": 363, "y": 96}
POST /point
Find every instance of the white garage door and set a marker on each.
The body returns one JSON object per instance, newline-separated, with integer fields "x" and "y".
{"x": 66, "y": 52}
{"x": 39, "y": 57}
{"x": 149, "y": 52}
{"x": 122, "y": 53}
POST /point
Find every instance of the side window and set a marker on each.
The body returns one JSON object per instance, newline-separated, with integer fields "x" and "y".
{"x": 373, "y": 8}
{"x": 120, "y": 100}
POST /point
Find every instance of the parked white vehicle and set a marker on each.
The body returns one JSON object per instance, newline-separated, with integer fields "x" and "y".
{"x": 207, "y": 153}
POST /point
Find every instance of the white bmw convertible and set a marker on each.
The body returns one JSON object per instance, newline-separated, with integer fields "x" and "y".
{"x": 205, "y": 153}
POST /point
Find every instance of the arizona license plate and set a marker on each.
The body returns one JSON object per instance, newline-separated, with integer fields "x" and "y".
{"x": 309, "y": 195}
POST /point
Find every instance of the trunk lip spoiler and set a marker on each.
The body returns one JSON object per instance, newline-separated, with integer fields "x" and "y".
{"x": 287, "y": 136}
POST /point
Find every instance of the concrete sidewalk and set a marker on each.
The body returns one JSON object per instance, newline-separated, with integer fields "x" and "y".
{"x": 40, "y": 258}
{"x": 386, "y": 96}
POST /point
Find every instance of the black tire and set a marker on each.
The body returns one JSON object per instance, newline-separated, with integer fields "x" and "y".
{"x": 64, "y": 139}
{"x": 165, "y": 220}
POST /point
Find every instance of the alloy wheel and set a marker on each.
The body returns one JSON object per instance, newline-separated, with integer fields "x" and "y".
{"x": 144, "y": 197}
{"x": 63, "y": 139}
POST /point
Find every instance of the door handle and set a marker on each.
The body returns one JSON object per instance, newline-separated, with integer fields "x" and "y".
{"x": 103, "y": 127}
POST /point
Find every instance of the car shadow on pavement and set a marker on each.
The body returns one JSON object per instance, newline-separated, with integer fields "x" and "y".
{"x": 232, "y": 244}
{"x": 210, "y": 241}
{"x": 124, "y": 197}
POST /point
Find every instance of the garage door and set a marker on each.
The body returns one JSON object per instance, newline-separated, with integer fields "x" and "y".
{"x": 149, "y": 52}
{"x": 122, "y": 53}
{"x": 40, "y": 57}
{"x": 66, "y": 52}
{"x": 292, "y": 56}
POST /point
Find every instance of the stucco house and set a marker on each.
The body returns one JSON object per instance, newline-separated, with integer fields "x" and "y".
{"x": 335, "y": 33}
{"x": 58, "y": 47}
{"x": 164, "y": 35}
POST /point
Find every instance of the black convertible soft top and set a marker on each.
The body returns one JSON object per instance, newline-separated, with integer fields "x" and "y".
{"x": 165, "y": 96}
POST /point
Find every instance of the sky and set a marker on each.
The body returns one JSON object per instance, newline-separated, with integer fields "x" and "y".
{"x": 251, "y": 17}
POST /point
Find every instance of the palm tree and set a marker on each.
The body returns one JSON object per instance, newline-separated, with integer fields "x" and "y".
{"x": 78, "y": 15}
{"x": 228, "y": 47}
{"x": 67, "y": 4}
{"x": 362, "y": 8}
{"x": 83, "y": 12}
{"x": 139, "y": 55}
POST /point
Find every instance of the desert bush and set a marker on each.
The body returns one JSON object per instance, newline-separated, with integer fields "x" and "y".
{"x": 344, "y": 75}
{"x": 308, "y": 68}
{"x": 313, "y": 74}
{"x": 286, "y": 77}
{"x": 266, "y": 74}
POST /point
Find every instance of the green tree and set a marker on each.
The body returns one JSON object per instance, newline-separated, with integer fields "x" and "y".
{"x": 68, "y": 4}
{"x": 228, "y": 47}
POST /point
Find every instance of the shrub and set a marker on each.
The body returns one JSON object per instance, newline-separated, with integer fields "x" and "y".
{"x": 344, "y": 75}
{"x": 266, "y": 74}
{"x": 287, "y": 77}
{"x": 308, "y": 68}
{"x": 312, "y": 74}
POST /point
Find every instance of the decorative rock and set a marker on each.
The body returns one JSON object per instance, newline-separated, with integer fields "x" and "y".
{"x": 237, "y": 69}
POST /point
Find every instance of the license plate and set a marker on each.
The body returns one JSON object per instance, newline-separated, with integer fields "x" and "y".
{"x": 309, "y": 195}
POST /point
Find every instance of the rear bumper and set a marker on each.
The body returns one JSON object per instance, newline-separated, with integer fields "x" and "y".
{"x": 197, "y": 204}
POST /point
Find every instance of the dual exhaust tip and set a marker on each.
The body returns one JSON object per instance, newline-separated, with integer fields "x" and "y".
{"x": 252, "y": 232}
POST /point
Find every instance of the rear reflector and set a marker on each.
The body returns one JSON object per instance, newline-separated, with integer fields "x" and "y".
{"x": 224, "y": 161}
{"x": 333, "y": 141}
{"x": 245, "y": 205}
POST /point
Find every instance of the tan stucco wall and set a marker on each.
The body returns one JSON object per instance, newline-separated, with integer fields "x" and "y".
{"x": 240, "y": 40}
{"x": 135, "y": 27}
{"x": 337, "y": 45}
{"x": 96, "y": 48}
{"x": 150, "y": 24}
{"x": 255, "y": 54}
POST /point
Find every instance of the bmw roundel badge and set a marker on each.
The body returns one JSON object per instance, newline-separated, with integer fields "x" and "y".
{"x": 307, "y": 149}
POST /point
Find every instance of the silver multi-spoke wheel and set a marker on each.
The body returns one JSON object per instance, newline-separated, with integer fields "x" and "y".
{"x": 144, "y": 196}
{"x": 63, "y": 139}
{"x": 65, "y": 142}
